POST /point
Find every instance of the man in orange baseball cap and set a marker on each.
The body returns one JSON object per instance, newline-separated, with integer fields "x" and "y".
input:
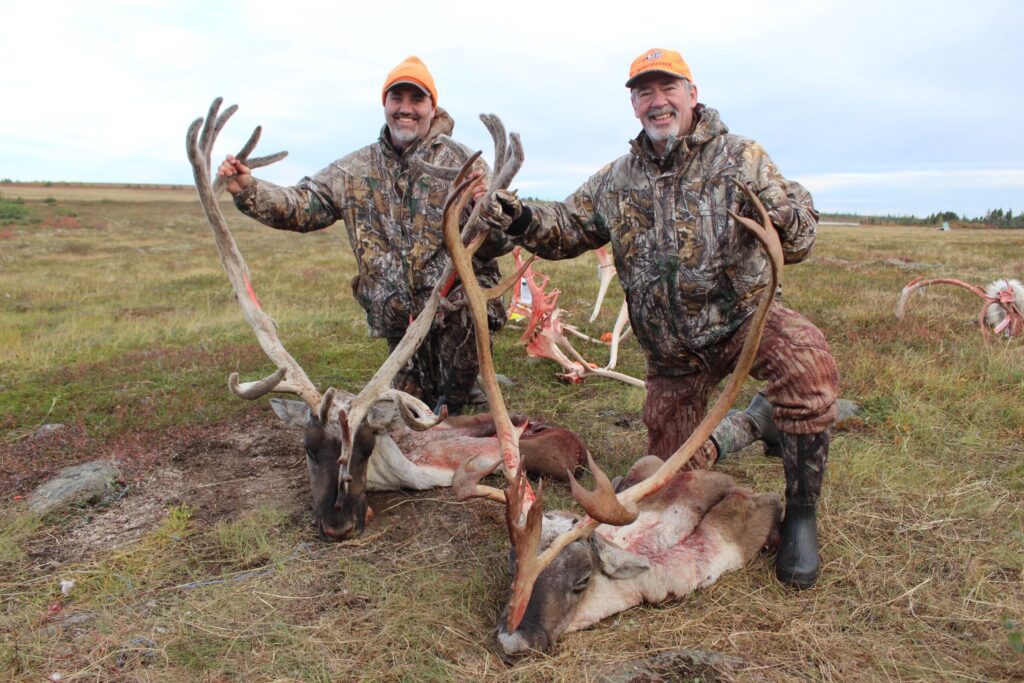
{"x": 392, "y": 214}
{"x": 693, "y": 278}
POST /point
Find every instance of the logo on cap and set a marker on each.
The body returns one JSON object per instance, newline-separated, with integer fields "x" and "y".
{"x": 653, "y": 54}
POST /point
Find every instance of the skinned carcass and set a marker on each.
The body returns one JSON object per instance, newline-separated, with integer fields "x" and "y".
{"x": 341, "y": 430}
{"x": 1003, "y": 310}
{"x": 544, "y": 336}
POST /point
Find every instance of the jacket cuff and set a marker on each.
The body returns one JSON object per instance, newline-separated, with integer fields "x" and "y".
{"x": 520, "y": 224}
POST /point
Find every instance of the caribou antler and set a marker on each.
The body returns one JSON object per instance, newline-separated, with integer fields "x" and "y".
{"x": 618, "y": 333}
{"x": 199, "y": 147}
{"x": 290, "y": 377}
{"x": 508, "y": 160}
{"x": 605, "y": 273}
{"x": 603, "y": 506}
{"x": 1001, "y": 294}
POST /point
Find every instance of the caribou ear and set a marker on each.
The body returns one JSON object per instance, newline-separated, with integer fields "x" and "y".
{"x": 616, "y": 562}
{"x": 292, "y": 413}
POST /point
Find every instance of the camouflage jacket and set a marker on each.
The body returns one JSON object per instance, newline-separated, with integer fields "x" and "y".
{"x": 392, "y": 213}
{"x": 690, "y": 274}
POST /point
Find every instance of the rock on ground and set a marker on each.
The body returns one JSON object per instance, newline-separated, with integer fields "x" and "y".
{"x": 85, "y": 483}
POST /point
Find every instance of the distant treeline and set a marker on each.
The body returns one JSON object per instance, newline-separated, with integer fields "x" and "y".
{"x": 994, "y": 218}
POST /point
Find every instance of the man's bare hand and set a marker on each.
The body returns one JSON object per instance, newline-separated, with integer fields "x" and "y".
{"x": 238, "y": 174}
{"x": 481, "y": 189}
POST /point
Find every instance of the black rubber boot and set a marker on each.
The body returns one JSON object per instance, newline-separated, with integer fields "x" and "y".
{"x": 804, "y": 457}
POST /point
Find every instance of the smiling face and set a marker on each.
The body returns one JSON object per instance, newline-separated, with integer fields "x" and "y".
{"x": 408, "y": 112}
{"x": 664, "y": 104}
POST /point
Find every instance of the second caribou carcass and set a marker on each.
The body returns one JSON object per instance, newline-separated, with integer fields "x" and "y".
{"x": 697, "y": 527}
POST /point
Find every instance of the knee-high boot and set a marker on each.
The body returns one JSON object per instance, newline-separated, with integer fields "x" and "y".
{"x": 804, "y": 457}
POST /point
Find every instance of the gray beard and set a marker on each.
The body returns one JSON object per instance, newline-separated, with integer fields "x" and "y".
{"x": 402, "y": 138}
{"x": 668, "y": 139}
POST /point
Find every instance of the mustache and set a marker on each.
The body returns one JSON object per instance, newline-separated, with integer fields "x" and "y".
{"x": 658, "y": 111}
{"x": 406, "y": 115}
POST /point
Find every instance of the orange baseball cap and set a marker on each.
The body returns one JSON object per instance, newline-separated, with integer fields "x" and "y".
{"x": 657, "y": 59}
{"x": 414, "y": 72}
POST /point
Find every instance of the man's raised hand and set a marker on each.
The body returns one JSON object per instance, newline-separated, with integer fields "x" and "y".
{"x": 238, "y": 174}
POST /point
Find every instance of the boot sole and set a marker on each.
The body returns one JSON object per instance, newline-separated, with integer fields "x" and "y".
{"x": 798, "y": 581}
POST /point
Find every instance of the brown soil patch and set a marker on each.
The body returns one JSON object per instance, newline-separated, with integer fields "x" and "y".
{"x": 224, "y": 471}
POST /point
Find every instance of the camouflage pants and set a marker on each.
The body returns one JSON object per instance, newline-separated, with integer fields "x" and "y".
{"x": 794, "y": 358}
{"x": 444, "y": 368}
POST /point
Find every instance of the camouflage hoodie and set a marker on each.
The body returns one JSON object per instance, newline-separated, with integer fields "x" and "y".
{"x": 392, "y": 214}
{"x": 690, "y": 274}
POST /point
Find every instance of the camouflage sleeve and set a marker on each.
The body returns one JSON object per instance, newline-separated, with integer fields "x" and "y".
{"x": 563, "y": 230}
{"x": 313, "y": 204}
{"x": 775, "y": 191}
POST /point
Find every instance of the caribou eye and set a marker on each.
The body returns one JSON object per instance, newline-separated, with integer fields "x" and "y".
{"x": 581, "y": 583}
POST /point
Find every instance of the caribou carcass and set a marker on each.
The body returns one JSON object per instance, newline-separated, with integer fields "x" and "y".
{"x": 686, "y": 535}
{"x": 664, "y": 535}
{"x": 343, "y": 430}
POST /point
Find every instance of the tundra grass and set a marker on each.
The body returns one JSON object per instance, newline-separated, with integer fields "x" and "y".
{"x": 122, "y": 326}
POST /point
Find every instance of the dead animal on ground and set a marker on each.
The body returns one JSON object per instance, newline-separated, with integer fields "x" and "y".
{"x": 342, "y": 430}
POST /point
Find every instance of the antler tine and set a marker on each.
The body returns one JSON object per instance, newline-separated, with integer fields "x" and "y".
{"x": 496, "y": 128}
{"x": 769, "y": 239}
{"x": 617, "y": 335}
{"x": 456, "y": 148}
{"x": 512, "y": 165}
{"x": 254, "y": 390}
{"x": 526, "y": 540}
{"x": 442, "y": 172}
{"x": 601, "y": 504}
{"x": 416, "y": 414}
{"x": 199, "y": 146}
{"x": 508, "y": 282}
{"x": 205, "y": 138}
{"x": 260, "y": 162}
{"x": 249, "y": 146}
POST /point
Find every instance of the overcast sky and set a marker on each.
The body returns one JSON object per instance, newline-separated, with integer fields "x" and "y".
{"x": 876, "y": 106}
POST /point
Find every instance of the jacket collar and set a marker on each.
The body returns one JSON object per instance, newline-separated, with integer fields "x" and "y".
{"x": 708, "y": 127}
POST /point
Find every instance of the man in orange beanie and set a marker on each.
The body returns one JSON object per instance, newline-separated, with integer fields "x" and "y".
{"x": 392, "y": 213}
{"x": 693, "y": 278}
